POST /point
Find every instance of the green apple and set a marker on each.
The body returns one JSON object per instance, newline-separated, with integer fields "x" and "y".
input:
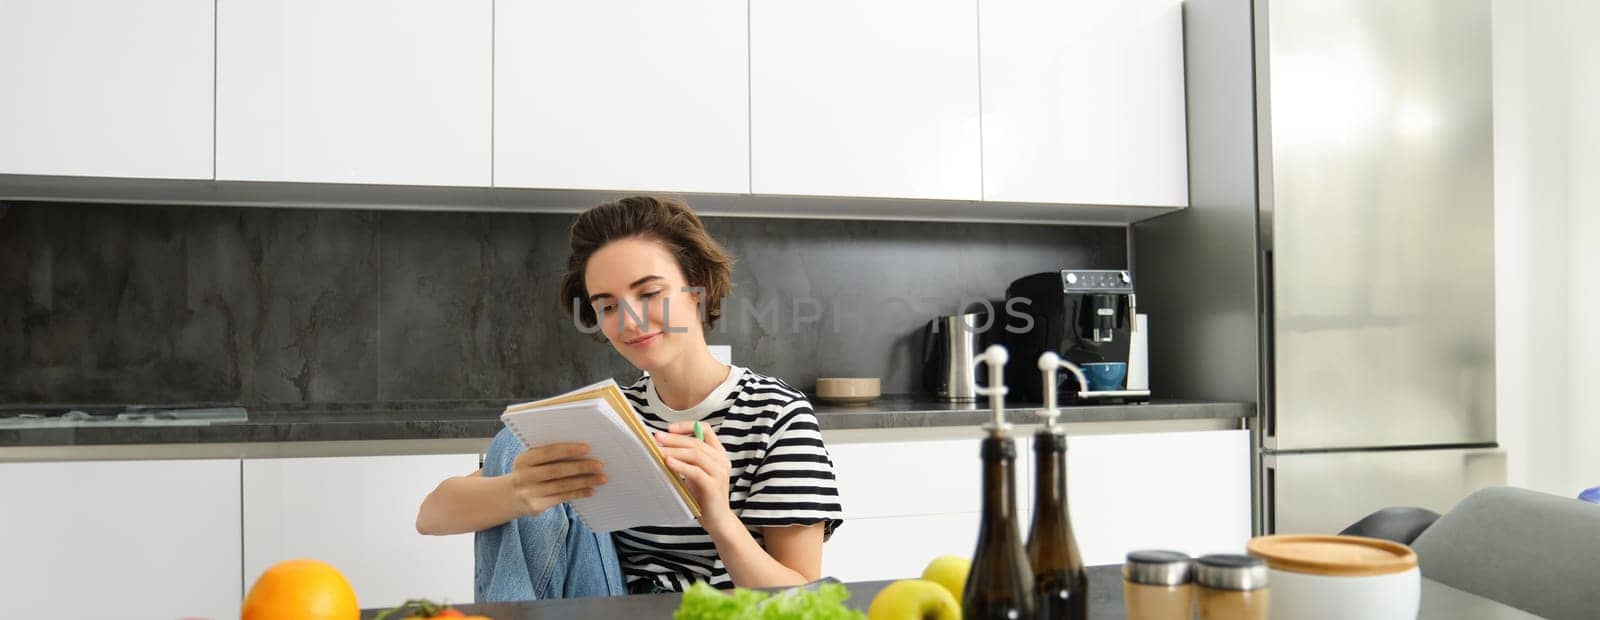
{"x": 949, "y": 571}
{"x": 914, "y": 599}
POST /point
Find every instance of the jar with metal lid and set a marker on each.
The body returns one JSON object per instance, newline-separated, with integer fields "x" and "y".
{"x": 1231, "y": 587}
{"x": 1156, "y": 585}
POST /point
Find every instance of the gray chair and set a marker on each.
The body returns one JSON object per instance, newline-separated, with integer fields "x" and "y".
{"x": 1533, "y": 551}
{"x": 1401, "y": 524}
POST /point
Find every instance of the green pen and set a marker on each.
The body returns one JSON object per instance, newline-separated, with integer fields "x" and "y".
{"x": 699, "y": 432}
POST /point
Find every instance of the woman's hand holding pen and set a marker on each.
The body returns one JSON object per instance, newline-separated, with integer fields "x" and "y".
{"x": 704, "y": 466}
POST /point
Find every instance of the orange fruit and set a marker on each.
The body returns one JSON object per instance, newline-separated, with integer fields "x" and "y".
{"x": 301, "y": 590}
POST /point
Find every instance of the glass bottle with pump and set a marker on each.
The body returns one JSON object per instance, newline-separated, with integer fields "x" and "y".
{"x": 1000, "y": 584}
{"x": 1061, "y": 585}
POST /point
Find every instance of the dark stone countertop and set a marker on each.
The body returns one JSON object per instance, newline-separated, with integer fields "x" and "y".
{"x": 1105, "y": 601}
{"x": 480, "y": 420}
{"x": 1438, "y": 602}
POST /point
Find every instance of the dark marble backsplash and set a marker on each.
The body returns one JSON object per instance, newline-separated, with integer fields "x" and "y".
{"x": 167, "y": 304}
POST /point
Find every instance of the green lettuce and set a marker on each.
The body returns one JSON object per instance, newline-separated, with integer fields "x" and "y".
{"x": 826, "y": 602}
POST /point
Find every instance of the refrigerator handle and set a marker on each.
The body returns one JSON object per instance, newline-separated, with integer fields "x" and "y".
{"x": 1269, "y": 499}
{"x": 1269, "y": 375}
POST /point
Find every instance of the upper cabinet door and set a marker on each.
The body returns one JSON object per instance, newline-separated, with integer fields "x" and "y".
{"x": 622, "y": 95}
{"x": 355, "y": 91}
{"x": 106, "y": 88}
{"x": 1083, "y": 102}
{"x": 875, "y": 98}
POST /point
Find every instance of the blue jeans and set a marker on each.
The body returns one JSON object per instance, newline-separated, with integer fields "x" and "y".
{"x": 546, "y": 556}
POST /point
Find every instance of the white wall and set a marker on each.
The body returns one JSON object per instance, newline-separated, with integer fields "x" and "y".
{"x": 1582, "y": 443}
{"x": 1547, "y": 242}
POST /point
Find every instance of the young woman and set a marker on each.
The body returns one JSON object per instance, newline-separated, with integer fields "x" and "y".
{"x": 644, "y": 270}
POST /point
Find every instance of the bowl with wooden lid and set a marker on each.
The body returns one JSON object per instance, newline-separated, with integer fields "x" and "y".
{"x": 1318, "y": 577}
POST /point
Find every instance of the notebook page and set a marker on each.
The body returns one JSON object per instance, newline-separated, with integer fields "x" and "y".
{"x": 635, "y": 493}
{"x": 622, "y": 410}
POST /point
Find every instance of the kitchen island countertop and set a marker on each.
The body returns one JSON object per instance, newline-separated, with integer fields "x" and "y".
{"x": 1439, "y": 601}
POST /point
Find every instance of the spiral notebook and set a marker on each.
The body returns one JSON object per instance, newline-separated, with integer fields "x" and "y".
{"x": 640, "y": 489}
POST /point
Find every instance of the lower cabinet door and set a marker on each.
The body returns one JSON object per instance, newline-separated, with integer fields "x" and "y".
{"x": 358, "y": 514}
{"x": 120, "y": 539}
{"x": 907, "y": 478}
{"x": 1187, "y": 491}
{"x": 896, "y": 547}
{"x": 904, "y": 478}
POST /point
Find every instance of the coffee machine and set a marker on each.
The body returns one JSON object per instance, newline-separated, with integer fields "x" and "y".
{"x": 1084, "y": 315}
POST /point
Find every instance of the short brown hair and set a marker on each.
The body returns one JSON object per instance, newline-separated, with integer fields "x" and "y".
{"x": 665, "y": 219}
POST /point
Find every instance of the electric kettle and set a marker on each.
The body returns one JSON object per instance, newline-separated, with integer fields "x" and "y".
{"x": 949, "y": 344}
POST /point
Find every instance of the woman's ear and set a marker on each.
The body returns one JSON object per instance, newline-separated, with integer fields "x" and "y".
{"x": 697, "y": 293}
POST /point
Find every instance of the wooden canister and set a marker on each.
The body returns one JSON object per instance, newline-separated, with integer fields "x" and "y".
{"x": 1317, "y": 577}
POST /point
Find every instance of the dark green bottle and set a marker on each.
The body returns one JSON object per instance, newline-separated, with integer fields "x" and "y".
{"x": 1059, "y": 581}
{"x": 1000, "y": 585}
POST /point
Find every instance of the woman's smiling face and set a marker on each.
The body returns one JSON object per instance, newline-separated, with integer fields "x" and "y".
{"x": 636, "y": 288}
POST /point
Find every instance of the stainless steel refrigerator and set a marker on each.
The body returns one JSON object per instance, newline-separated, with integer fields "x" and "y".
{"x": 1340, "y": 231}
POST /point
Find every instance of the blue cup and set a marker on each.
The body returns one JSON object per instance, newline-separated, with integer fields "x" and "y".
{"x": 1105, "y": 376}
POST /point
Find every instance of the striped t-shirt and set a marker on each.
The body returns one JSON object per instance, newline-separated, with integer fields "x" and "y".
{"x": 781, "y": 475}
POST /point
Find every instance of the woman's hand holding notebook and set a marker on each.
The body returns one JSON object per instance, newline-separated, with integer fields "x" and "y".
{"x": 640, "y": 489}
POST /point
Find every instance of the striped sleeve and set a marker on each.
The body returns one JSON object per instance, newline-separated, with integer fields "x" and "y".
{"x": 794, "y": 484}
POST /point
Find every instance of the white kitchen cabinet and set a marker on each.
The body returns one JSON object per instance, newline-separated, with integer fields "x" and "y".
{"x": 358, "y": 514}
{"x": 872, "y": 99}
{"x": 906, "y": 502}
{"x": 355, "y": 91}
{"x": 905, "y": 478}
{"x": 1186, "y": 491}
{"x": 120, "y": 539}
{"x": 870, "y": 549}
{"x": 106, "y": 88}
{"x": 622, "y": 95}
{"x": 1083, "y": 102}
